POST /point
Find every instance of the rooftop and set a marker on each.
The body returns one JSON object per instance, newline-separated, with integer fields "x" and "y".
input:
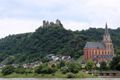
{"x": 97, "y": 45}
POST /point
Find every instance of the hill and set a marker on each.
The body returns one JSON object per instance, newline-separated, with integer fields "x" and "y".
{"x": 51, "y": 38}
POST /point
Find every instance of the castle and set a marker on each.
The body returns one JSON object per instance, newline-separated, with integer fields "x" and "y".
{"x": 100, "y": 51}
{"x": 48, "y": 24}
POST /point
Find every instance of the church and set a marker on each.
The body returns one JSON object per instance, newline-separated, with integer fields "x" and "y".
{"x": 100, "y": 51}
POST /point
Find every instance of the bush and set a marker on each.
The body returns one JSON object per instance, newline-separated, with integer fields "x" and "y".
{"x": 74, "y": 67}
{"x": 115, "y": 63}
{"x": 70, "y": 75}
{"x": 118, "y": 67}
{"x": 48, "y": 70}
{"x": 20, "y": 70}
{"x": 8, "y": 70}
{"x": 62, "y": 64}
{"x": 29, "y": 71}
{"x": 103, "y": 66}
{"x": 71, "y": 67}
{"x": 90, "y": 65}
{"x": 64, "y": 70}
{"x": 45, "y": 70}
{"x": 38, "y": 70}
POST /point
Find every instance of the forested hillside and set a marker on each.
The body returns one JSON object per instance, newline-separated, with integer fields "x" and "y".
{"x": 51, "y": 38}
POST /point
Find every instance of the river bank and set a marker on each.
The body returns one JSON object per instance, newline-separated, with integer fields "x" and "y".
{"x": 59, "y": 79}
{"x": 55, "y": 75}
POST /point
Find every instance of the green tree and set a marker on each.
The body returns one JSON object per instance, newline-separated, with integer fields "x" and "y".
{"x": 48, "y": 70}
{"x": 74, "y": 67}
{"x": 45, "y": 69}
{"x": 90, "y": 65}
{"x": 118, "y": 66}
{"x": 8, "y": 70}
{"x": 71, "y": 67}
{"x": 115, "y": 63}
{"x": 20, "y": 70}
{"x": 103, "y": 66}
{"x": 64, "y": 69}
{"x": 61, "y": 64}
{"x": 38, "y": 69}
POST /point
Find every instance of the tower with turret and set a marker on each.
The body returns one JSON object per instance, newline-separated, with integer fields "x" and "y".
{"x": 108, "y": 41}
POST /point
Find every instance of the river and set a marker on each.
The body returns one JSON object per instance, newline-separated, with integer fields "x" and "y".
{"x": 59, "y": 79}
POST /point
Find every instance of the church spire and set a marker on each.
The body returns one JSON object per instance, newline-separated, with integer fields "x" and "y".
{"x": 106, "y": 29}
{"x": 107, "y": 40}
{"x": 106, "y": 36}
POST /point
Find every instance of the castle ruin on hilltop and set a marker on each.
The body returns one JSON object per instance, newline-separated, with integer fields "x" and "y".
{"x": 48, "y": 24}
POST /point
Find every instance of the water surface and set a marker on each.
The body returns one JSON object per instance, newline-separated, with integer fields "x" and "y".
{"x": 59, "y": 79}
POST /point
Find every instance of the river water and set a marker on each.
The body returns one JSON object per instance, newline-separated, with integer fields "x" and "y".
{"x": 59, "y": 79}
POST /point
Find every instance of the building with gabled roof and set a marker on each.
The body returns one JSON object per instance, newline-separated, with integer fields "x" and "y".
{"x": 100, "y": 51}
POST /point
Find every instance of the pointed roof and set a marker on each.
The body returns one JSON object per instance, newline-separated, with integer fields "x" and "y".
{"x": 106, "y": 29}
{"x": 106, "y": 36}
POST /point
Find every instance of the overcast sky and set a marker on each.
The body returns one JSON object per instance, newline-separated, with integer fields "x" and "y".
{"x": 19, "y": 16}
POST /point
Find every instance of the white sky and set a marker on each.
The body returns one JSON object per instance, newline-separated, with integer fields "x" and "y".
{"x": 19, "y": 16}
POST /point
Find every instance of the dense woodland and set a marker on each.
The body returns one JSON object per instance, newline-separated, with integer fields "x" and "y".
{"x": 53, "y": 39}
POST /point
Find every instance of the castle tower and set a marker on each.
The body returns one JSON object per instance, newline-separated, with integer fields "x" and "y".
{"x": 107, "y": 41}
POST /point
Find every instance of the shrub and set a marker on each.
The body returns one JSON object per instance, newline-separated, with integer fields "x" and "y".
{"x": 45, "y": 70}
{"x": 20, "y": 70}
{"x": 29, "y": 71}
{"x": 70, "y": 75}
{"x": 8, "y": 70}
{"x": 90, "y": 65}
{"x": 38, "y": 70}
{"x": 62, "y": 64}
{"x": 103, "y": 66}
{"x": 48, "y": 70}
{"x": 71, "y": 67}
{"x": 74, "y": 67}
{"x": 64, "y": 70}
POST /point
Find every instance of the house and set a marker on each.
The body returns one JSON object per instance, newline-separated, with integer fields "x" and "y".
{"x": 53, "y": 57}
{"x": 32, "y": 65}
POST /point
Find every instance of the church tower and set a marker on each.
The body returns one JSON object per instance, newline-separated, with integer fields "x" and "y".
{"x": 107, "y": 41}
